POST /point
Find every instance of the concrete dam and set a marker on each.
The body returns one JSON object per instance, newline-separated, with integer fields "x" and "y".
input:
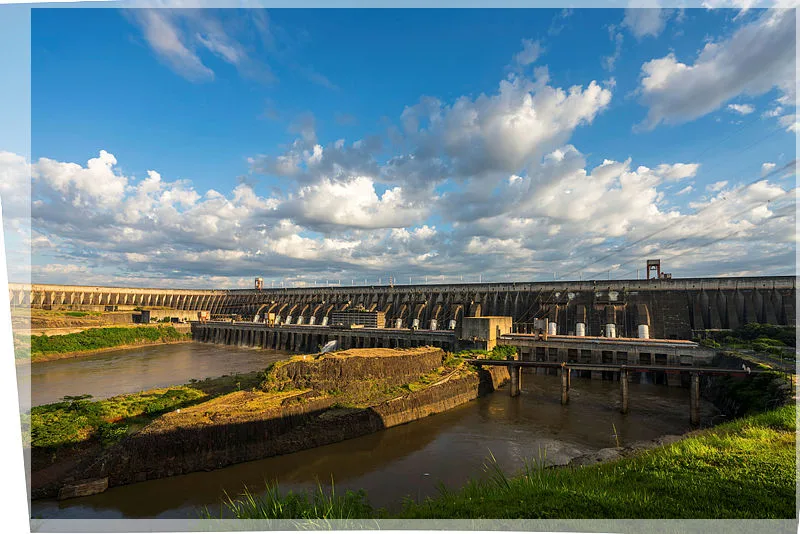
{"x": 670, "y": 308}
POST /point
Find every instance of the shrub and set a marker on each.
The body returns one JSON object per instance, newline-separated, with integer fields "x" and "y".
{"x": 503, "y": 352}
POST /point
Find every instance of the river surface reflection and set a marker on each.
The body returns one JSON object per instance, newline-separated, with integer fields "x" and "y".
{"x": 410, "y": 460}
{"x": 117, "y": 372}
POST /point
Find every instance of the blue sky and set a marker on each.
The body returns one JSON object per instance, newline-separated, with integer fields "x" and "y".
{"x": 484, "y": 142}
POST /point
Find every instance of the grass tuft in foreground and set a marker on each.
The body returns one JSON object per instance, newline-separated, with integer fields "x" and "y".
{"x": 741, "y": 469}
{"x": 319, "y": 504}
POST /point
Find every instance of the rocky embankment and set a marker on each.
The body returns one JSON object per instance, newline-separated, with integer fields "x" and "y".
{"x": 303, "y": 403}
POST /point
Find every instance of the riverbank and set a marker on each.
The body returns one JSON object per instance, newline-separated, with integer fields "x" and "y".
{"x": 75, "y": 354}
{"x": 68, "y": 434}
{"x": 95, "y": 340}
{"x": 740, "y": 469}
{"x": 299, "y": 404}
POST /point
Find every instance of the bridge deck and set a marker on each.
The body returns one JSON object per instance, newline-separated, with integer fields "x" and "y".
{"x": 615, "y": 367}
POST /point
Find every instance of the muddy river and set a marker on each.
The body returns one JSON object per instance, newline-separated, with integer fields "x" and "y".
{"x": 408, "y": 461}
{"x": 116, "y": 372}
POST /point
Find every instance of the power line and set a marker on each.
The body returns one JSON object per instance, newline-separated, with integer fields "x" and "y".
{"x": 663, "y": 229}
{"x": 723, "y": 238}
{"x": 749, "y": 208}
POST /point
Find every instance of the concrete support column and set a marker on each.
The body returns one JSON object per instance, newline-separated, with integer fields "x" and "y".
{"x": 623, "y": 386}
{"x": 644, "y": 331}
{"x": 694, "y": 399}
{"x": 514, "y": 373}
{"x": 564, "y": 385}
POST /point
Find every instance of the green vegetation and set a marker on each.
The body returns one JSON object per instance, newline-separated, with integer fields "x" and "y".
{"x": 81, "y": 314}
{"x": 499, "y": 352}
{"x": 22, "y": 346}
{"x": 78, "y": 419}
{"x": 100, "y": 338}
{"x": 742, "y": 469}
{"x": 743, "y": 396}
{"x": 317, "y": 505}
{"x": 764, "y": 338}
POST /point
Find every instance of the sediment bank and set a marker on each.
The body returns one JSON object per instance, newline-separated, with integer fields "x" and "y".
{"x": 302, "y": 404}
{"x": 47, "y": 348}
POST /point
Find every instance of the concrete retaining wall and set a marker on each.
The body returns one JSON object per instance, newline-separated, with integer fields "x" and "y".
{"x": 151, "y": 455}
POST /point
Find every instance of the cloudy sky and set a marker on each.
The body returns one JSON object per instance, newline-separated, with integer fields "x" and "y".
{"x": 202, "y": 148}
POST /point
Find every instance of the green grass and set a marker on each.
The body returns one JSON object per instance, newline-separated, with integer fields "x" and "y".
{"x": 319, "y": 504}
{"x": 756, "y": 336}
{"x": 81, "y": 314}
{"x": 742, "y": 469}
{"x": 100, "y": 338}
{"x": 79, "y": 419}
{"x": 499, "y": 352}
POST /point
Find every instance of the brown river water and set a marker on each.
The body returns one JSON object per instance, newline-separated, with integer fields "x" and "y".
{"x": 407, "y": 461}
{"x": 117, "y": 372}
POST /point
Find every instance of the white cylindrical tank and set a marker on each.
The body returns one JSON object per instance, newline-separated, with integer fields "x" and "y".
{"x": 288, "y": 319}
{"x": 325, "y": 321}
{"x": 644, "y": 331}
{"x": 452, "y": 324}
{"x": 312, "y": 320}
{"x": 552, "y": 329}
{"x": 300, "y": 319}
{"x": 398, "y": 323}
{"x": 611, "y": 330}
{"x": 433, "y": 324}
{"x": 580, "y": 329}
{"x": 415, "y": 323}
{"x": 255, "y": 319}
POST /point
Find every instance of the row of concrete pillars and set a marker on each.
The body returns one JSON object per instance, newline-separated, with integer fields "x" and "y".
{"x": 609, "y": 331}
{"x": 433, "y": 324}
{"x": 515, "y": 375}
{"x": 301, "y": 341}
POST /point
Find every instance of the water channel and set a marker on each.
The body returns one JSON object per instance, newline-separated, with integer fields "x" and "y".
{"x": 117, "y": 372}
{"x": 404, "y": 461}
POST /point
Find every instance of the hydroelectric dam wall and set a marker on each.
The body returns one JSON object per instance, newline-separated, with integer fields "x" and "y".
{"x": 671, "y": 308}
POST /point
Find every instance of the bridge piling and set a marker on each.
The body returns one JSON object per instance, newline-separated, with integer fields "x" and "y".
{"x": 694, "y": 399}
{"x": 623, "y": 380}
{"x": 514, "y": 372}
{"x": 564, "y": 384}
